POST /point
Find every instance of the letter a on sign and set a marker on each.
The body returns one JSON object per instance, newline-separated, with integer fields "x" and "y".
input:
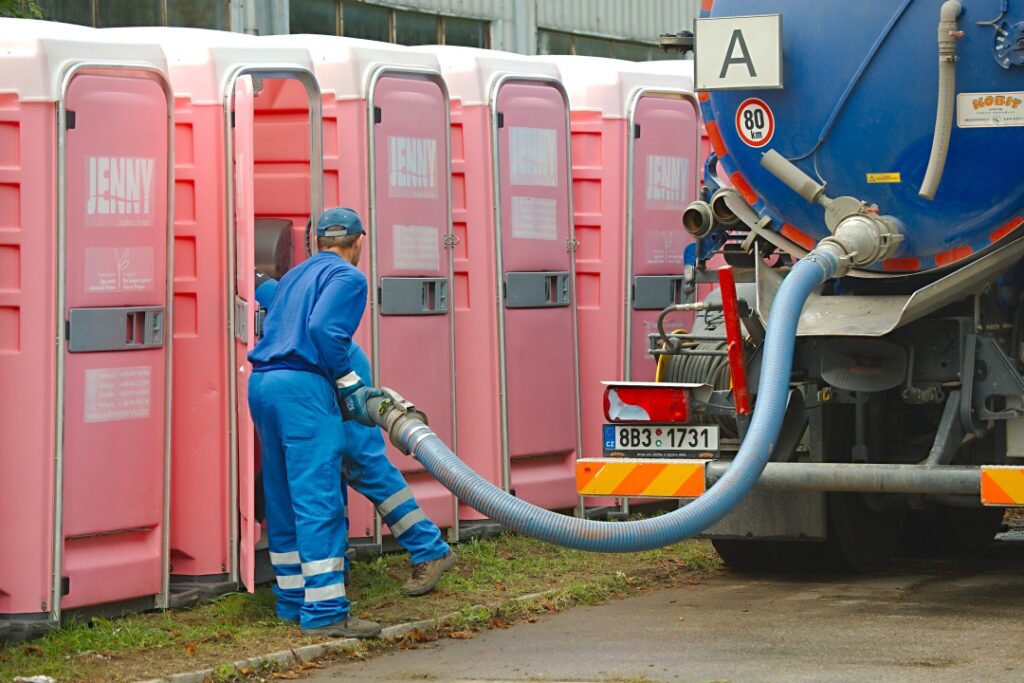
{"x": 739, "y": 53}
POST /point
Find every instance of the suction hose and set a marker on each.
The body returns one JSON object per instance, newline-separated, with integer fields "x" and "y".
{"x": 409, "y": 432}
{"x": 948, "y": 35}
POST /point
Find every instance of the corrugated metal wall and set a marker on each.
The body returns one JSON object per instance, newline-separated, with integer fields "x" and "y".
{"x": 637, "y": 20}
{"x": 640, "y": 20}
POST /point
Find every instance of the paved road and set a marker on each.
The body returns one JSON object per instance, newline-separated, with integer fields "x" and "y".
{"x": 925, "y": 621}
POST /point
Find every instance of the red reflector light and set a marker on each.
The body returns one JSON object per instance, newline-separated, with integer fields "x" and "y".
{"x": 642, "y": 402}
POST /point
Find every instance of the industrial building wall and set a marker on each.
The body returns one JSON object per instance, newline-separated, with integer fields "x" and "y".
{"x": 633, "y": 20}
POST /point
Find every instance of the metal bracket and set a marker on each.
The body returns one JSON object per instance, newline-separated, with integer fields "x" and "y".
{"x": 994, "y": 376}
{"x": 450, "y": 240}
{"x": 572, "y": 245}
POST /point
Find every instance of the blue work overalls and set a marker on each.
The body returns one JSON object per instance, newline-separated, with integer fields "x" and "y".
{"x": 305, "y": 444}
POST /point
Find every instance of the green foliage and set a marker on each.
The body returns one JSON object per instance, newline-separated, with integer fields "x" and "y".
{"x": 21, "y": 9}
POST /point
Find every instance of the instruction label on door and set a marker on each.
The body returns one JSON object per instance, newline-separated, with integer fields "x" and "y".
{"x": 112, "y": 270}
{"x": 667, "y": 178}
{"x": 664, "y": 247}
{"x": 416, "y": 247}
{"x": 412, "y": 167}
{"x": 533, "y": 156}
{"x": 533, "y": 218}
{"x": 114, "y": 394}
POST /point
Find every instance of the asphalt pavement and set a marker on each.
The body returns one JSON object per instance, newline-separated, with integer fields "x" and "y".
{"x": 925, "y": 620}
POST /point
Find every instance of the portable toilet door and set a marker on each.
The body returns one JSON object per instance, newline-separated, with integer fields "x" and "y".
{"x": 272, "y": 115}
{"x": 411, "y": 261}
{"x": 664, "y": 166}
{"x": 536, "y": 271}
{"x": 84, "y": 233}
{"x": 386, "y": 155}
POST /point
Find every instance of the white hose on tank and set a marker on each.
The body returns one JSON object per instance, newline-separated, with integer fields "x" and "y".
{"x": 949, "y": 33}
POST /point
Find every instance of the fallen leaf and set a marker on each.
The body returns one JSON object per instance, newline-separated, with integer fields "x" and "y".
{"x": 190, "y": 649}
{"x": 532, "y": 620}
{"x": 285, "y": 675}
{"x": 499, "y": 623}
{"x": 310, "y": 665}
{"x": 245, "y": 671}
{"x": 33, "y": 650}
{"x": 461, "y": 635}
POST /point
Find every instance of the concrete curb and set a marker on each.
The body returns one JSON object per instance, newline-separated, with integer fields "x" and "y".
{"x": 308, "y": 653}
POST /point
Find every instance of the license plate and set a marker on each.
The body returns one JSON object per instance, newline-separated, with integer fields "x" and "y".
{"x": 660, "y": 438}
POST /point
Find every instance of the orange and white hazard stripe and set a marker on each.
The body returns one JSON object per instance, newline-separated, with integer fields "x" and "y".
{"x": 640, "y": 477}
{"x": 1002, "y": 485}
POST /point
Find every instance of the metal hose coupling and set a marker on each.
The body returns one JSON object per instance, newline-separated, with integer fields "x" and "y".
{"x": 862, "y": 239}
{"x": 397, "y": 416}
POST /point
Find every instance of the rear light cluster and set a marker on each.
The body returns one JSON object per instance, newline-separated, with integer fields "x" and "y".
{"x": 646, "y": 402}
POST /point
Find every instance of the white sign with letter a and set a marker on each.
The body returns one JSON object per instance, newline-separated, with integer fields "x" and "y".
{"x": 739, "y": 53}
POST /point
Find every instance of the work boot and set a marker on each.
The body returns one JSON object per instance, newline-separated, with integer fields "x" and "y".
{"x": 349, "y": 627}
{"x": 425, "y": 575}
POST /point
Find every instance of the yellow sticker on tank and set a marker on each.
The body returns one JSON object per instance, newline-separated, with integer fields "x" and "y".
{"x": 884, "y": 178}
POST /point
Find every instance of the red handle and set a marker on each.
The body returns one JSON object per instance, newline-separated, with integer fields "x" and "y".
{"x": 731, "y": 311}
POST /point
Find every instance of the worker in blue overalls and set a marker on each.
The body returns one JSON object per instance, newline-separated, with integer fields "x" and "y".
{"x": 304, "y": 382}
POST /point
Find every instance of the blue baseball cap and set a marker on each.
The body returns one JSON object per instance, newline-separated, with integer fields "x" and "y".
{"x": 339, "y": 222}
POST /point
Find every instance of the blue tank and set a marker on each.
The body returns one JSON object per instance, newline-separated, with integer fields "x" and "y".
{"x": 879, "y": 143}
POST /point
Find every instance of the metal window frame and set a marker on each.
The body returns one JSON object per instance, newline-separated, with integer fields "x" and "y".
{"x": 137, "y": 70}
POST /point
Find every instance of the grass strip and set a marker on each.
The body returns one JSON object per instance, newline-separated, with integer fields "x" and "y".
{"x": 481, "y": 592}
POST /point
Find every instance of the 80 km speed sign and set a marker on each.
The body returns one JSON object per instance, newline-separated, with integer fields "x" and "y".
{"x": 755, "y": 123}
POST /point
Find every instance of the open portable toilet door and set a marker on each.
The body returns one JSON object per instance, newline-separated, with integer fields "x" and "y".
{"x": 293, "y": 155}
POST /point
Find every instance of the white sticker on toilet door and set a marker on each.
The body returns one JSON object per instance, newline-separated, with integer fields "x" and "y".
{"x": 416, "y": 247}
{"x": 533, "y": 156}
{"x": 534, "y": 218}
{"x": 667, "y": 179}
{"x": 412, "y": 167}
{"x": 113, "y": 394}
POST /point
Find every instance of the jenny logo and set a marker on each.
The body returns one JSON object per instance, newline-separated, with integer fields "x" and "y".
{"x": 533, "y": 156}
{"x": 412, "y": 164}
{"x": 120, "y": 188}
{"x": 666, "y": 179}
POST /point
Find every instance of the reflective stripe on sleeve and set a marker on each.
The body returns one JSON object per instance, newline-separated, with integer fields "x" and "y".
{"x": 393, "y": 501}
{"x": 407, "y": 521}
{"x": 335, "y": 590}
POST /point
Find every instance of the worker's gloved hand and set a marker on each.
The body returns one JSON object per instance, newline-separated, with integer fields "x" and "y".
{"x": 352, "y": 400}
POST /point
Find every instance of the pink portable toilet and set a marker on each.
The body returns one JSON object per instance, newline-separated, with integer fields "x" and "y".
{"x": 85, "y": 149}
{"x": 247, "y": 170}
{"x": 386, "y": 154}
{"x": 636, "y": 163}
{"x": 516, "y": 366}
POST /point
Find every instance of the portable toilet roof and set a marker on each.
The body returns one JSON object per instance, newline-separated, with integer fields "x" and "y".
{"x": 345, "y": 66}
{"x": 37, "y": 54}
{"x": 202, "y": 62}
{"x": 608, "y": 85}
{"x": 471, "y": 72}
